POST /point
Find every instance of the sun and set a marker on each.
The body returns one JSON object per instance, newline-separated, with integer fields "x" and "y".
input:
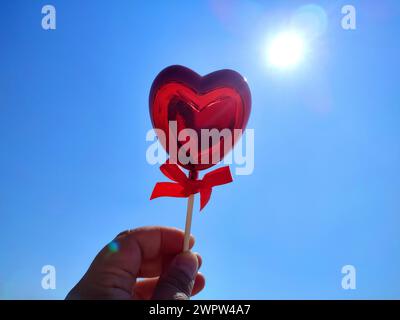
{"x": 286, "y": 50}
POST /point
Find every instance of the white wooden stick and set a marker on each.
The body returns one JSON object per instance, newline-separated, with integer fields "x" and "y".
{"x": 188, "y": 225}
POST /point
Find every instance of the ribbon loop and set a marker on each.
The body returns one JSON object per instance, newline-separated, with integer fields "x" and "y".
{"x": 183, "y": 187}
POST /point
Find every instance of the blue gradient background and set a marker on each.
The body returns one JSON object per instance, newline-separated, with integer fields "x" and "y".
{"x": 74, "y": 114}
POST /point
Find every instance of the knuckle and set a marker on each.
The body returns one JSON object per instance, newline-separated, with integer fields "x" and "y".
{"x": 179, "y": 282}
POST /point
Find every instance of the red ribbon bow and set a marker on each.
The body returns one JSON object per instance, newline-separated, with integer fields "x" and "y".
{"x": 184, "y": 186}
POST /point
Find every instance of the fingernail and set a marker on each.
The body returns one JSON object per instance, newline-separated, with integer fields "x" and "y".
{"x": 188, "y": 263}
{"x": 199, "y": 259}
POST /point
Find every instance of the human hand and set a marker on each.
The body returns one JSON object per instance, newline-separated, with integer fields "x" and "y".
{"x": 152, "y": 253}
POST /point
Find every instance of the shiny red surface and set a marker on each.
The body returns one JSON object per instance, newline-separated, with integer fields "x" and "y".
{"x": 220, "y": 100}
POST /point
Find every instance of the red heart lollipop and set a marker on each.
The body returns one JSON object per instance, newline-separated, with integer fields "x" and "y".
{"x": 219, "y": 100}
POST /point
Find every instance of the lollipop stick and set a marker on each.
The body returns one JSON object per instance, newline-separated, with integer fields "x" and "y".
{"x": 189, "y": 213}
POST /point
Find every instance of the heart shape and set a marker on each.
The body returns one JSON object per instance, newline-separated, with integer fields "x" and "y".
{"x": 220, "y": 100}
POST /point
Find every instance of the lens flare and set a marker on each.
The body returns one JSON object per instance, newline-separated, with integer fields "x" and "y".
{"x": 311, "y": 19}
{"x": 113, "y": 246}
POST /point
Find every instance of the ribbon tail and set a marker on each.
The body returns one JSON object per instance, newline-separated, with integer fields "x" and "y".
{"x": 205, "y": 195}
{"x": 167, "y": 189}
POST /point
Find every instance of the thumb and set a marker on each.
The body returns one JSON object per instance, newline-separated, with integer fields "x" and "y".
{"x": 176, "y": 283}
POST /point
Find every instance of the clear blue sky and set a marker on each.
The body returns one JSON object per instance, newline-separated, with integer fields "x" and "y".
{"x": 325, "y": 191}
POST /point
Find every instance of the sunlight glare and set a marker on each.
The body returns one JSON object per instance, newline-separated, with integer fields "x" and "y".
{"x": 286, "y": 50}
